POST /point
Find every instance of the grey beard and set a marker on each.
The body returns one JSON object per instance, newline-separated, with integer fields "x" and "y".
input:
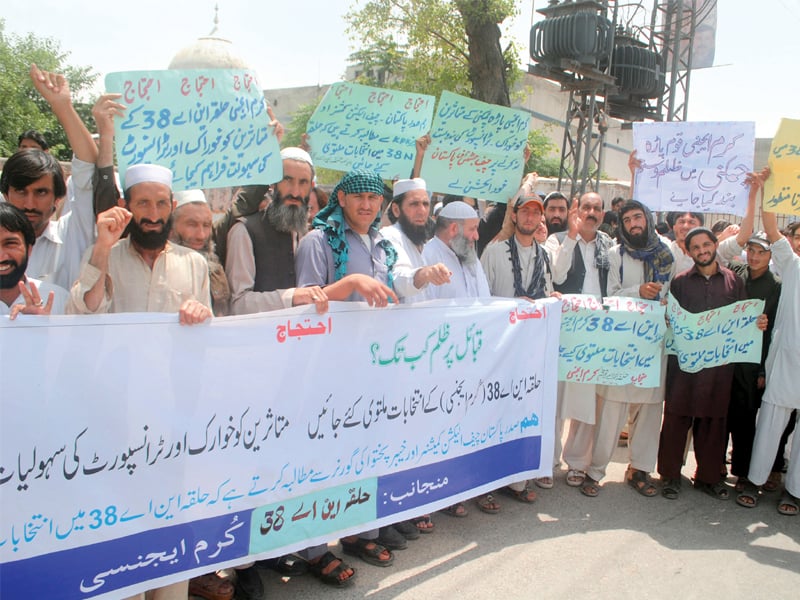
{"x": 464, "y": 249}
{"x": 288, "y": 218}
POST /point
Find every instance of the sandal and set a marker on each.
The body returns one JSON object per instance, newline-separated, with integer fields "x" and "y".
{"x": 211, "y": 587}
{"x": 741, "y": 484}
{"x": 789, "y": 505}
{"x": 773, "y": 482}
{"x": 424, "y": 524}
{"x": 716, "y": 490}
{"x": 671, "y": 489}
{"x": 575, "y": 478}
{"x": 456, "y": 510}
{"x": 322, "y": 570}
{"x": 488, "y": 505}
{"x": 639, "y": 481}
{"x": 369, "y": 551}
{"x": 526, "y": 495}
{"x": 390, "y": 538}
{"x": 546, "y": 483}
{"x": 748, "y": 497}
{"x": 590, "y": 487}
{"x": 288, "y": 565}
{"x": 407, "y": 529}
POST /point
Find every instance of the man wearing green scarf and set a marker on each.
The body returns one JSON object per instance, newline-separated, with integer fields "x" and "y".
{"x": 345, "y": 253}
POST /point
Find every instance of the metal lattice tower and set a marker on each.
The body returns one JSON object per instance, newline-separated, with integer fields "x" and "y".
{"x": 667, "y": 31}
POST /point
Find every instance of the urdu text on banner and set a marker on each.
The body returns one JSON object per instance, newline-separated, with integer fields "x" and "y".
{"x": 362, "y": 127}
{"x": 477, "y": 149}
{"x": 148, "y": 452}
{"x": 694, "y": 166}
{"x": 210, "y": 127}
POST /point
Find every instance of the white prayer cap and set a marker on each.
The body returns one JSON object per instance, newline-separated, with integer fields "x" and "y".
{"x": 295, "y": 153}
{"x": 458, "y": 210}
{"x": 437, "y": 209}
{"x": 188, "y": 197}
{"x": 406, "y": 185}
{"x": 147, "y": 173}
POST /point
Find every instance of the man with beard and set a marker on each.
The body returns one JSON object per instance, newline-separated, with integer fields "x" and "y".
{"x": 260, "y": 260}
{"x": 32, "y": 180}
{"x": 453, "y": 245}
{"x": 348, "y": 257}
{"x": 556, "y": 207}
{"x": 192, "y": 227}
{"x": 641, "y": 266}
{"x": 519, "y": 266}
{"x": 19, "y": 293}
{"x": 699, "y": 401}
{"x": 580, "y": 266}
{"x": 411, "y": 208}
{"x": 143, "y": 272}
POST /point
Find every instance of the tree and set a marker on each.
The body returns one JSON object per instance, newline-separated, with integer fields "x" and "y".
{"x": 21, "y": 106}
{"x": 427, "y": 46}
{"x": 542, "y": 159}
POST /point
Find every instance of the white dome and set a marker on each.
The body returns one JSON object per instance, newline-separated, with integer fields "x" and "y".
{"x": 209, "y": 52}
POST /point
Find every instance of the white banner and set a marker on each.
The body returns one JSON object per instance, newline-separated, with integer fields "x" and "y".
{"x": 694, "y": 166}
{"x": 135, "y": 452}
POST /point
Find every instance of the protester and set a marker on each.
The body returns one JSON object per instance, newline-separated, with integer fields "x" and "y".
{"x": 350, "y": 260}
{"x": 32, "y": 180}
{"x": 410, "y": 208}
{"x": 640, "y": 266}
{"x": 581, "y": 266}
{"x": 782, "y": 365}
{"x": 20, "y": 294}
{"x": 698, "y": 402}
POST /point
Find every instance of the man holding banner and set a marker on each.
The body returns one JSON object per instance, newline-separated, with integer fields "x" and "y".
{"x": 782, "y": 366}
{"x": 699, "y": 401}
{"x": 144, "y": 272}
{"x": 581, "y": 266}
{"x": 641, "y": 266}
{"x": 347, "y": 257}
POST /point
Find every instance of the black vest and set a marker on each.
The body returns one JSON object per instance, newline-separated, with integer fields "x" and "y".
{"x": 274, "y": 254}
{"x": 573, "y": 284}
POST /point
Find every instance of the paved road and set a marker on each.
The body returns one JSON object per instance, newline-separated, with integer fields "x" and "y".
{"x": 618, "y": 545}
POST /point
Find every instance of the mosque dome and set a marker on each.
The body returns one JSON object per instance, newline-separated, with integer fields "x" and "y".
{"x": 209, "y": 52}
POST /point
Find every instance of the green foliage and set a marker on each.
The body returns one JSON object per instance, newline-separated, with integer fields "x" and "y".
{"x": 420, "y": 45}
{"x": 21, "y": 106}
{"x": 543, "y": 159}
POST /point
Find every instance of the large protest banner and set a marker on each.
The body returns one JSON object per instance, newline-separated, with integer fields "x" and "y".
{"x": 618, "y": 341}
{"x": 720, "y": 336}
{"x": 135, "y": 452}
{"x": 477, "y": 149}
{"x": 782, "y": 189}
{"x": 210, "y": 127}
{"x": 694, "y": 167}
{"x": 361, "y": 127}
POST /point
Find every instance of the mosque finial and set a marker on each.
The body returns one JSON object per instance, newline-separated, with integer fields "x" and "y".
{"x": 216, "y": 21}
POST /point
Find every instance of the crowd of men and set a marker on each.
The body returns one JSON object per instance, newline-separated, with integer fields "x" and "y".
{"x": 152, "y": 250}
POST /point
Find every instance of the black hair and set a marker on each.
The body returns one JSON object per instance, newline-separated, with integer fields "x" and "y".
{"x": 26, "y": 166}
{"x": 35, "y": 136}
{"x": 555, "y": 196}
{"x": 14, "y": 220}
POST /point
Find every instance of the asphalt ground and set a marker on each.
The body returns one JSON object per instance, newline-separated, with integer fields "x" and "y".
{"x": 566, "y": 545}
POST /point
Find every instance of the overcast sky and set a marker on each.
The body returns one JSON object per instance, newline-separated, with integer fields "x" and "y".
{"x": 302, "y": 42}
